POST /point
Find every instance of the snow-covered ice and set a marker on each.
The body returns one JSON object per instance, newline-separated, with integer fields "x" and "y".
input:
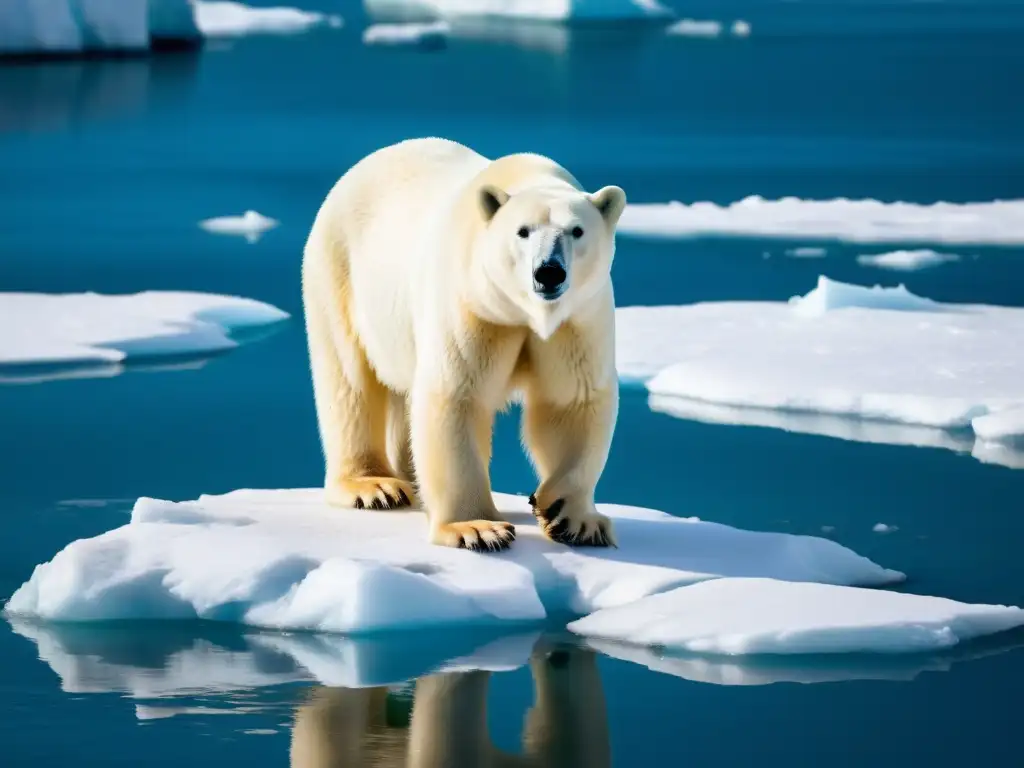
{"x": 159, "y": 663}
{"x": 765, "y": 616}
{"x": 842, "y": 350}
{"x": 884, "y": 528}
{"x": 1006, "y": 425}
{"x": 85, "y": 329}
{"x": 251, "y": 225}
{"x": 540, "y": 10}
{"x": 999, "y": 222}
{"x": 431, "y": 34}
{"x": 907, "y": 261}
{"x": 226, "y": 18}
{"x": 299, "y": 564}
{"x": 695, "y": 28}
{"x": 807, "y": 252}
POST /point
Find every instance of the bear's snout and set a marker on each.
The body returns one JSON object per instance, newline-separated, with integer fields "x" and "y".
{"x": 549, "y": 276}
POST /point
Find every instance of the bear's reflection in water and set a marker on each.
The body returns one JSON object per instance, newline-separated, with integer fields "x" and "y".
{"x": 356, "y": 728}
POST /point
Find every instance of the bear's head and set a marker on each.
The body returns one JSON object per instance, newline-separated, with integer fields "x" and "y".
{"x": 549, "y": 249}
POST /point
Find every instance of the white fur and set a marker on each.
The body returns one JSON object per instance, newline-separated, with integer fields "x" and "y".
{"x": 420, "y": 301}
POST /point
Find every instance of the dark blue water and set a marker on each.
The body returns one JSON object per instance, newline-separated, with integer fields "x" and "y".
{"x": 105, "y": 168}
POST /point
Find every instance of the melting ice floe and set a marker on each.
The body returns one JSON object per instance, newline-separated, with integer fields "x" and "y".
{"x": 765, "y": 616}
{"x": 85, "y": 330}
{"x": 251, "y": 225}
{"x": 299, "y": 564}
{"x": 999, "y": 222}
{"x": 841, "y": 350}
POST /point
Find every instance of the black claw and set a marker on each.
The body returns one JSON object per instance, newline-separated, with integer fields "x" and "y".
{"x": 359, "y": 504}
{"x": 403, "y": 497}
{"x": 559, "y": 530}
{"x": 461, "y": 544}
{"x": 556, "y": 507}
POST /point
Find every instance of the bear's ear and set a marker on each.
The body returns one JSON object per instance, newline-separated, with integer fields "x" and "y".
{"x": 611, "y": 202}
{"x": 491, "y": 199}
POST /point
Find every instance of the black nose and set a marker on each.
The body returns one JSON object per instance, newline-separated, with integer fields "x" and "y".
{"x": 549, "y": 275}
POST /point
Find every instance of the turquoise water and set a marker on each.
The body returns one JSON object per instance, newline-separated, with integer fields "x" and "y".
{"x": 107, "y": 167}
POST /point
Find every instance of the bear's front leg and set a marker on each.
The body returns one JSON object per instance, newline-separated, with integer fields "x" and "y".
{"x": 451, "y": 441}
{"x": 568, "y": 441}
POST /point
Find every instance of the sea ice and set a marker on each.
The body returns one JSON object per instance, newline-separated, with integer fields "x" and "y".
{"x": 738, "y": 616}
{"x": 843, "y": 350}
{"x": 429, "y": 35}
{"x": 741, "y": 28}
{"x": 298, "y": 564}
{"x": 226, "y": 18}
{"x": 251, "y": 225}
{"x": 546, "y": 10}
{"x": 88, "y": 328}
{"x": 998, "y": 222}
{"x": 807, "y": 252}
{"x": 907, "y": 261}
{"x": 1006, "y": 425}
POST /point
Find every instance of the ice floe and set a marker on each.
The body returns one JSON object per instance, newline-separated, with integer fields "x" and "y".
{"x": 842, "y": 350}
{"x": 82, "y": 331}
{"x": 251, "y": 225}
{"x": 539, "y": 10}
{"x": 998, "y": 222}
{"x": 766, "y": 616}
{"x": 907, "y": 261}
{"x": 298, "y": 564}
{"x": 226, "y": 18}
{"x": 695, "y": 28}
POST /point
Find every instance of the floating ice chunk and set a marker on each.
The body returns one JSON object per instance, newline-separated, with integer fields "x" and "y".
{"x": 77, "y": 329}
{"x": 297, "y": 563}
{"x": 741, "y": 28}
{"x": 251, "y": 225}
{"x": 844, "y": 350}
{"x": 546, "y": 10}
{"x": 807, "y": 252}
{"x": 829, "y": 295}
{"x": 43, "y": 26}
{"x": 907, "y": 261}
{"x": 695, "y": 28}
{"x": 430, "y": 35}
{"x": 883, "y": 528}
{"x": 163, "y": 662}
{"x": 765, "y": 616}
{"x": 1005, "y": 425}
{"x": 999, "y": 222}
{"x": 121, "y": 25}
{"x": 225, "y": 18}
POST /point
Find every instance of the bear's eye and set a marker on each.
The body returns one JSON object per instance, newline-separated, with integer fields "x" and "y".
{"x": 577, "y": 232}
{"x": 524, "y": 232}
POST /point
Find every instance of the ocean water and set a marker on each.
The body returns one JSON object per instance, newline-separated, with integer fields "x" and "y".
{"x": 106, "y": 167}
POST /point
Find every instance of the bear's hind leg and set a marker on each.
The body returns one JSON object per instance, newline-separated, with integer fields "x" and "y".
{"x": 351, "y": 406}
{"x": 399, "y": 441}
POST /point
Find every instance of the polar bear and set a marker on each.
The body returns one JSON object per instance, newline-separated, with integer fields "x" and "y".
{"x": 438, "y": 287}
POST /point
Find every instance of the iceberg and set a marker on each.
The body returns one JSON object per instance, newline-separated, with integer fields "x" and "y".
{"x": 1001, "y": 426}
{"x": 843, "y": 350}
{"x": 907, "y": 261}
{"x": 538, "y": 10}
{"x": 299, "y": 564}
{"x": 998, "y": 222}
{"x": 765, "y": 616}
{"x": 424, "y": 35}
{"x": 100, "y": 332}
